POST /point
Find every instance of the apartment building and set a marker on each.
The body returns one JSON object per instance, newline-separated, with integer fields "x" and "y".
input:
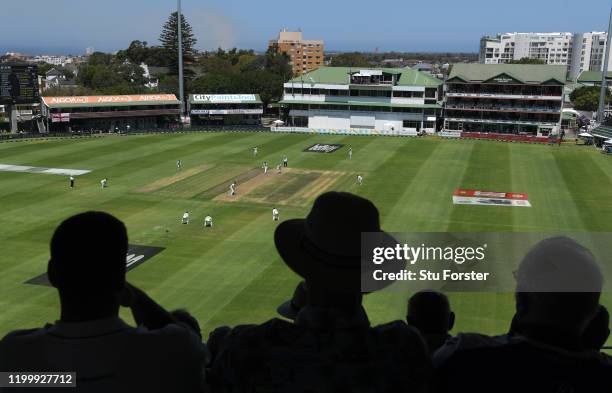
{"x": 577, "y": 51}
{"x": 517, "y": 99}
{"x": 304, "y": 55}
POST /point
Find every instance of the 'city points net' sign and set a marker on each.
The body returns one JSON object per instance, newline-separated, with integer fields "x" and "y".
{"x": 224, "y": 98}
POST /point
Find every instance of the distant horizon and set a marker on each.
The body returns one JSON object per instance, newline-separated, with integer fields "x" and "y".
{"x": 425, "y": 27}
{"x": 81, "y": 51}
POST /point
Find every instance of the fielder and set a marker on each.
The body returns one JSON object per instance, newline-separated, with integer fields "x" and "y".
{"x": 232, "y": 190}
{"x": 350, "y": 152}
{"x": 179, "y": 164}
{"x": 275, "y": 214}
{"x": 104, "y": 183}
{"x": 265, "y": 167}
{"x": 255, "y": 151}
{"x": 71, "y": 181}
{"x": 208, "y": 222}
{"x": 359, "y": 179}
{"x": 185, "y": 219}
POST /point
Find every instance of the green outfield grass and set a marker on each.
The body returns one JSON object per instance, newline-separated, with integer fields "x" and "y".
{"x": 232, "y": 274}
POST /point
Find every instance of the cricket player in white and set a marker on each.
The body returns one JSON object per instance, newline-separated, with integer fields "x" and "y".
{"x": 233, "y": 189}
{"x": 274, "y": 214}
{"x": 360, "y": 179}
{"x": 185, "y": 219}
{"x": 208, "y": 221}
{"x": 265, "y": 167}
{"x": 350, "y": 153}
{"x": 178, "y": 165}
{"x": 103, "y": 183}
{"x": 255, "y": 151}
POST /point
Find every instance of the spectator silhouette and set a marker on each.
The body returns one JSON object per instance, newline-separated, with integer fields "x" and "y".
{"x": 597, "y": 331}
{"x": 293, "y": 306}
{"x": 88, "y": 266}
{"x": 331, "y": 346}
{"x": 430, "y": 313}
{"x": 557, "y": 294}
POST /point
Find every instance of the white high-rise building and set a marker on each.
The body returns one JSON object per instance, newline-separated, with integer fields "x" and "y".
{"x": 578, "y": 51}
{"x": 589, "y": 52}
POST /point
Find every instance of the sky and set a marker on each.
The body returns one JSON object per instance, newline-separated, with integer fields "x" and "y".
{"x": 69, "y": 26}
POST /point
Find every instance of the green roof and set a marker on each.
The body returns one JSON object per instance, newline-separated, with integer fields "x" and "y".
{"x": 362, "y": 103}
{"x": 523, "y": 73}
{"x": 339, "y": 76}
{"x": 222, "y": 99}
{"x": 592, "y": 77}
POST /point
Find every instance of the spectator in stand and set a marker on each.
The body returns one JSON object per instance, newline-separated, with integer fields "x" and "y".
{"x": 557, "y": 294}
{"x": 331, "y": 346}
{"x": 597, "y": 331}
{"x": 430, "y": 313}
{"x": 88, "y": 266}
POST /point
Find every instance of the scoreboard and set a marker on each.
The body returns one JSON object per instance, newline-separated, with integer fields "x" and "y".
{"x": 18, "y": 84}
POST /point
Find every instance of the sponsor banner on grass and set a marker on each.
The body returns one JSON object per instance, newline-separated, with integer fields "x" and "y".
{"x": 485, "y": 262}
{"x": 136, "y": 256}
{"x": 323, "y": 148}
{"x": 490, "y": 198}
{"x": 42, "y": 170}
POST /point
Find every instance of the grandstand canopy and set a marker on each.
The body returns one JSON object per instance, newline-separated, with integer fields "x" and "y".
{"x": 592, "y": 77}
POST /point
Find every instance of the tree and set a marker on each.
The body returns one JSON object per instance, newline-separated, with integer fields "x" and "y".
{"x": 527, "y": 60}
{"x": 278, "y": 63}
{"x": 352, "y": 59}
{"x": 169, "y": 41}
{"x": 587, "y": 98}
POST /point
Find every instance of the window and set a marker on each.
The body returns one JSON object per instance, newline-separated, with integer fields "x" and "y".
{"x": 412, "y": 124}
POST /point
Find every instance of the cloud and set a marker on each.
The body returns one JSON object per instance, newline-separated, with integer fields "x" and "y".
{"x": 213, "y": 29}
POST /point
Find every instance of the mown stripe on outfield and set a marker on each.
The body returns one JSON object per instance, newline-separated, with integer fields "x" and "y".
{"x": 385, "y": 185}
{"x": 581, "y": 172}
{"x": 550, "y": 198}
{"x": 426, "y": 203}
{"x": 488, "y": 169}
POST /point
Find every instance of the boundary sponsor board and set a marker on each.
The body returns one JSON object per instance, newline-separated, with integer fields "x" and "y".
{"x": 136, "y": 256}
{"x": 322, "y": 148}
{"x": 490, "y": 198}
{"x": 256, "y": 111}
{"x": 342, "y": 131}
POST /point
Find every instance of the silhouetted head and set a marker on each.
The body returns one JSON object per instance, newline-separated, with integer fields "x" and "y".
{"x": 429, "y": 311}
{"x": 558, "y": 285}
{"x": 597, "y": 331}
{"x": 325, "y": 247}
{"x": 88, "y": 260}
